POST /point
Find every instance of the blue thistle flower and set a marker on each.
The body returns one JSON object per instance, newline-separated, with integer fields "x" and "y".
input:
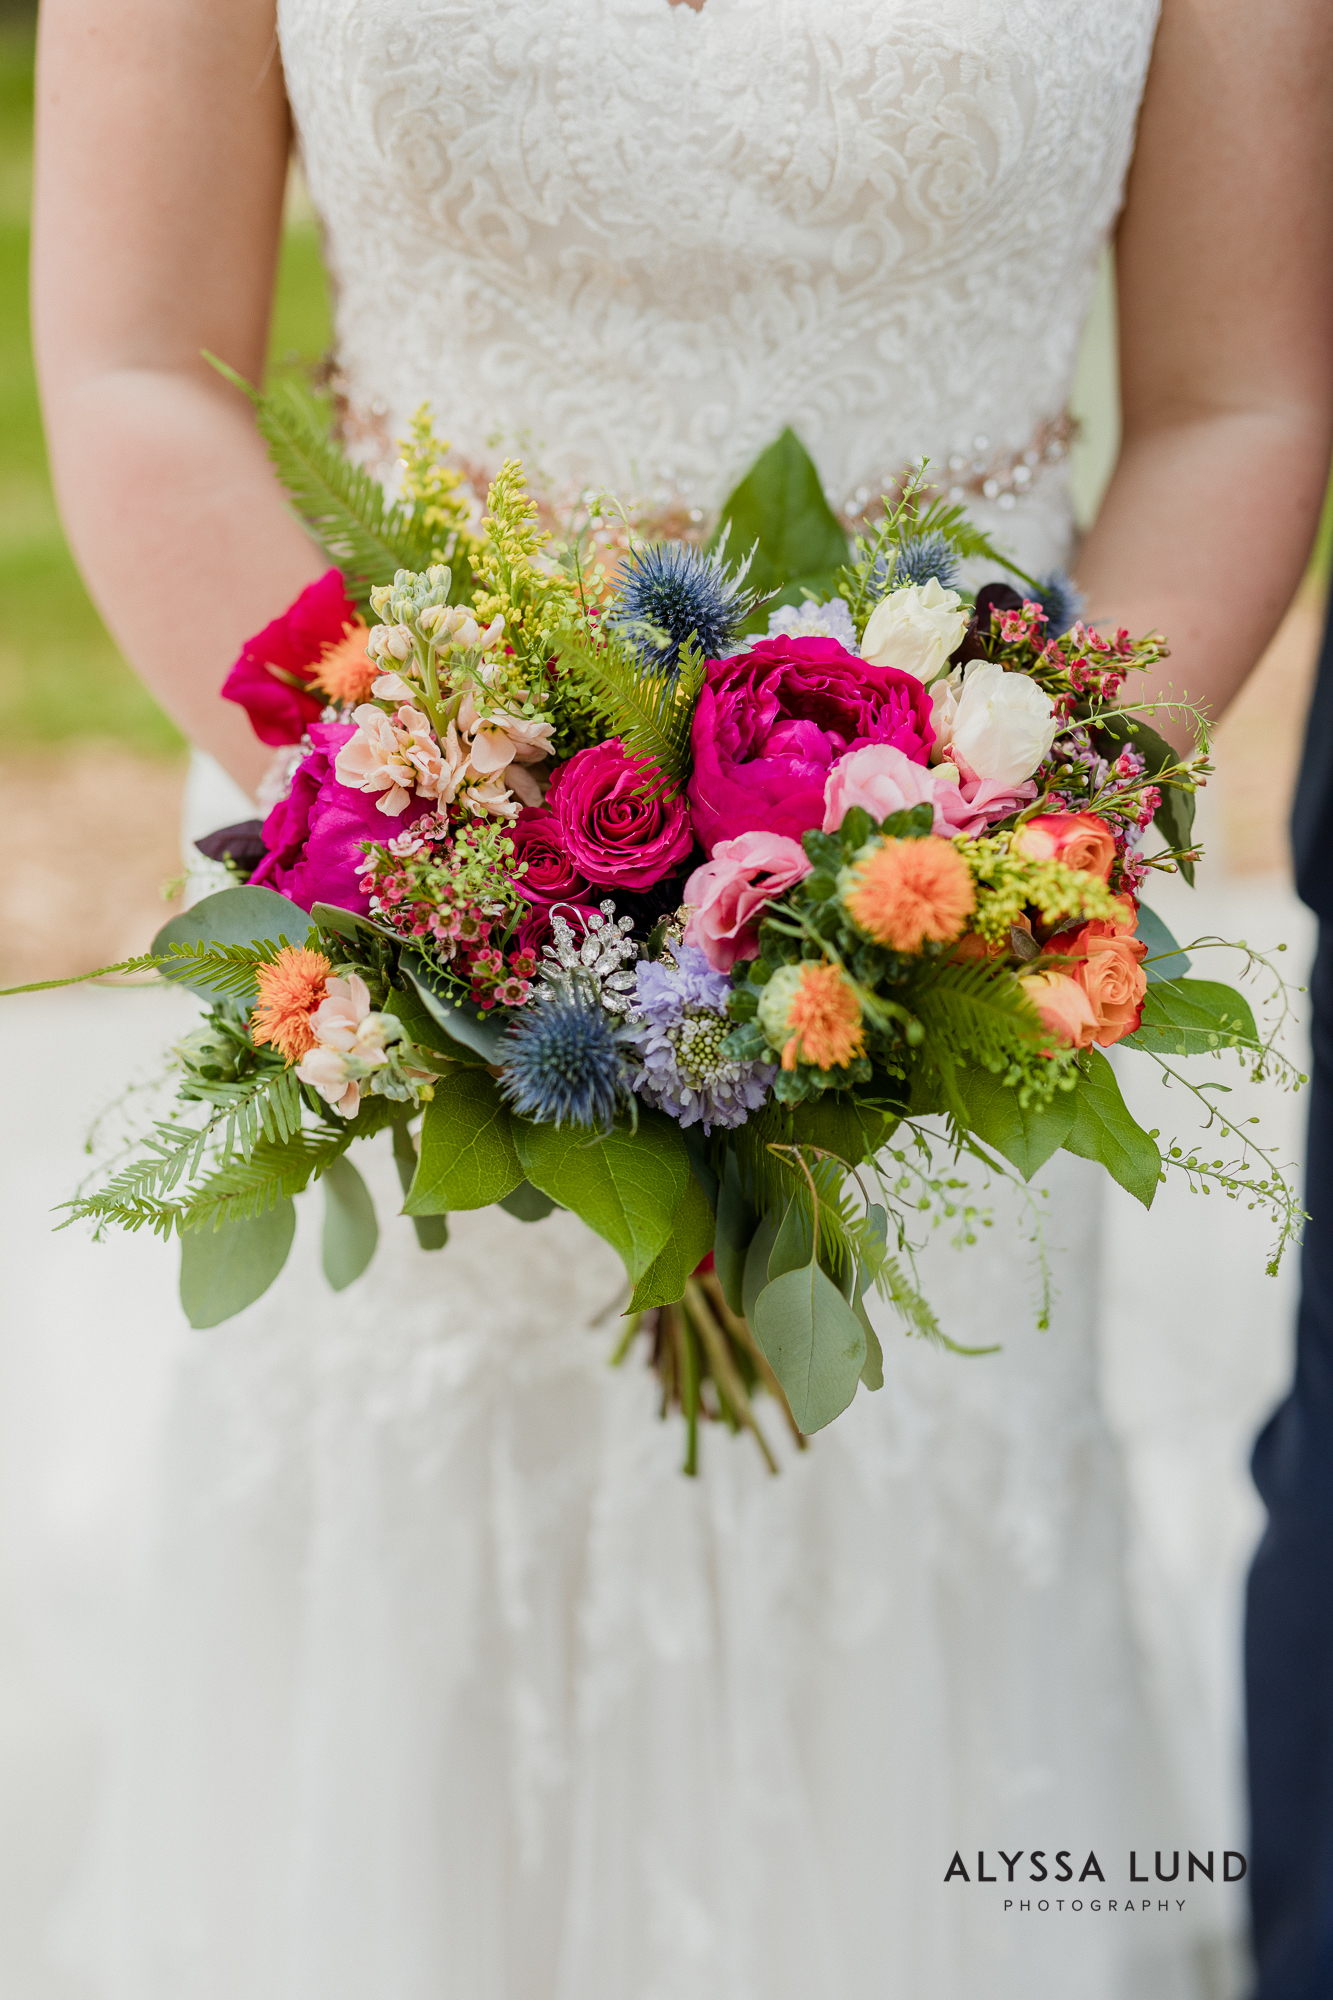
{"x": 921, "y": 557}
{"x": 1062, "y": 601}
{"x": 681, "y": 592}
{"x": 563, "y": 1064}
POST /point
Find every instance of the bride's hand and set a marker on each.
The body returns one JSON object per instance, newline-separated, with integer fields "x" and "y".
{"x": 1224, "y": 261}
{"x": 161, "y": 162}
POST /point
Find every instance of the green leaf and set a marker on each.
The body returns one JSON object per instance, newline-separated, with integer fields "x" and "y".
{"x": 481, "y": 1037}
{"x": 1184, "y": 1017}
{"x": 231, "y": 917}
{"x": 736, "y": 1224}
{"x": 814, "y": 1342}
{"x": 756, "y": 1262}
{"x": 873, "y": 1372}
{"x": 1028, "y": 1138}
{"x": 527, "y": 1203}
{"x": 780, "y": 507}
{"x": 689, "y": 1243}
{"x": 1104, "y": 1130}
{"x": 224, "y": 1270}
{"x": 432, "y": 1231}
{"x": 627, "y": 1186}
{"x": 1165, "y": 959}
{"x": 350, "y": 1229}
{"x": 838, "y": 1124}
{"x": 794, "y": 1243}
{"x": 467, "y": 1147}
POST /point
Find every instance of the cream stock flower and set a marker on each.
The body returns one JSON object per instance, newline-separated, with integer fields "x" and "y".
{"x": 350, "y": 1041}
{"x": 915, "y": 629}
{"x": 394, "y": 754}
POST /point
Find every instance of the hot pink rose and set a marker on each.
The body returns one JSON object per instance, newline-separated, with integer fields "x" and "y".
{"x": 287, "y": 652}
{"x": 551, "y": 876}
{"x": 314, "y": 835}
{"x": 611, "y": 831}
{"x": 771, "y": 723}
{"x": 727, "y": 895}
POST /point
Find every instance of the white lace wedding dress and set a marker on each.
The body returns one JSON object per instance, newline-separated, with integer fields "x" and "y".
{"x": 452, "y": 1687}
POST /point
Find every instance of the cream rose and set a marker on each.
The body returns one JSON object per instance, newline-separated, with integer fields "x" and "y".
{"x": 915, "y": 629}
{"x": 996, "y": 725}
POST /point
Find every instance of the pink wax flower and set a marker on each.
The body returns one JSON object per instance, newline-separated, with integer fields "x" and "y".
{"x": 617, "y": 837}
{"x": 314, "y": 835}
{"x": 771, "y": 723}
{"x": 288, "y": 651}
{"x": 726, "y": 897}
{"x": 551, "y": 876}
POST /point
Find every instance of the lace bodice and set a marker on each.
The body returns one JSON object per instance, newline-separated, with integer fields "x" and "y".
{"x": 635, "y": 240}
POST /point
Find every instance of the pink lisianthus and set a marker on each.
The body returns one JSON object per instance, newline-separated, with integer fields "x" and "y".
{"x": 272, "y": 678}
{"x": 771, "y": 723}
{"x": 314, "y": 836}
{"x": 615, "y": 835}
{"x": 882, "y": 780}
{"x": 726, "y": 897}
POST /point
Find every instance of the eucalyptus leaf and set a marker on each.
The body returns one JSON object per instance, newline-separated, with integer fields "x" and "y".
{"x": 464, "y": 1025}
{"x": 225, "y": 1270}
{"x": 873, "y": 1372}
{"x": 1165, "y": 959}
{"x": 350, "y": 924}
{"x": 814, "y": 1341}
{"x": 736, "y": 1224}
{"x": 793, "y": 1245}
{"x": 527, "y": 1203}
{"x": 234, "y": 917}
{"x": 756, "y": 1263}
{"x": 350, "y": 1229}
{"x": 468, "y": 1159}
{"x": 1026, "y": 1138}
{"x": 1104, "y": 1130}
{"x": 1185, "y": 1017}
{"x": 689, "y": 1243}
{"x": 627, "y": 1186}
{"x": 781, "y": 510}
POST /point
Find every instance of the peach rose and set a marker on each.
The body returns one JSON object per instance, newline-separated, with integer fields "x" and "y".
{"x": 1080, "y": 840}
{"x": 1108, "y": 967}
{"x": 1064, "y": 1007}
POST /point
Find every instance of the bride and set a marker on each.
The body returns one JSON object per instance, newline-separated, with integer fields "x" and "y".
{"x": 450, "y": 1684}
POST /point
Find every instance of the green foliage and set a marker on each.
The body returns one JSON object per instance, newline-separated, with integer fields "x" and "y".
{"x": 627, "y": 1186}
{"x": 651, "y": 713}
{"x": 432, "y": 1231}
{"x": 1174, "y": 818}
{"x": 368, "y": 536}
{"x": 1025, "y": 1135}
{"x": 239, "y": 922}
{"x": 1103, "y": 1130}
{"x": 350, "y": 1229}
{"x": 737, "y": 1221}
{"x": 689, "y": 1243}
{"x": 527, "y": 1203}
{"x": 1184, "y": 1017}
{"x": 223, "y": 1270}
{"x": 275, "y": 1170}
{"x": 467, "y": 1147}
{"x": 814, "y": 1341}
{"x": 144, "y": 963}
{"x": 473, "y": 1037}
{"x": 1165, "y": 959}
{"x": 265, "y": 1106}
{"x": 779, "y": 509}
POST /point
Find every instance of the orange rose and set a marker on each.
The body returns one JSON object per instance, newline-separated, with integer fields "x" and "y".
{"x": 1109, "y": 970}
{"x": 1080, "y": 840}
{"x": 1064, "y": 1007}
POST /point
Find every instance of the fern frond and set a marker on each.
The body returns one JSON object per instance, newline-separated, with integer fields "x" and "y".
{"x": 145, "y": 962}
{"x": 969, "y": 1014}
{"x": 135, "y": 1196}
{"x": 276, "y": 1168}
{"x": 267, "y": 1106}
{"x": 651, "y": 713}
{"x": 225, "y": 968}
{"x": 368, "y": 536}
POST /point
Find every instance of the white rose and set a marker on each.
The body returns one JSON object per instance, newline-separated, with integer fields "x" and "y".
{"x": 1002, "y": 724}
{"x": 915, "y": 629}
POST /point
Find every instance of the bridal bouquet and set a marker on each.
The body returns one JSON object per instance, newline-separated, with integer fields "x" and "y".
{"x": 712, "y": 900}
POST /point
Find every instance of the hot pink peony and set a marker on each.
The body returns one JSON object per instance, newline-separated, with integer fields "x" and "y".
{"x": 614, "y": 834}
{"x": 314, "y": 835}
{"x": 271, "y": 678}
{"x": 727, "y": 895}
{"x": 771, "y": 723}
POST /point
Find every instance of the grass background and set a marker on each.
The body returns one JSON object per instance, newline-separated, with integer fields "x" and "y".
{"x": 61, "y": 677}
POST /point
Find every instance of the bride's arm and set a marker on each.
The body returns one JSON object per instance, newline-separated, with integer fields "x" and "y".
{"x": 1225, "y": 270}
{"x": 162, "y": 139}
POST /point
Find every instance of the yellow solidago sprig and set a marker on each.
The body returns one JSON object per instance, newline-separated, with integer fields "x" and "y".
{"x": 518, "y": 579}
{"x": 436, "y": 492}
{"x": 1008, "y": 883}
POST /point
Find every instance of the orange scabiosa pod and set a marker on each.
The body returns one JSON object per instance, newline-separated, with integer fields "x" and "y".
{"x": 290, "y": 989}
{"x": 824, "y": 1020}
{"x": 909, "y": 891}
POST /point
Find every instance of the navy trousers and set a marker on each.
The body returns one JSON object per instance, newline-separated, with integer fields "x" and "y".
{"x": 1289, "y": 1612}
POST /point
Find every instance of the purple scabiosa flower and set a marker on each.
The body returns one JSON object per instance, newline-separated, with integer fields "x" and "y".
{"x": 681, "y": 1026}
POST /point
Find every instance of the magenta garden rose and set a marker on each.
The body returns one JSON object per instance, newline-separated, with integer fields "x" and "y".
{"x": 771, "y": 722}
{"x": 550, "y": 876}
{"x": 611, "y": 832}
{"x": 314, "y": 836}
